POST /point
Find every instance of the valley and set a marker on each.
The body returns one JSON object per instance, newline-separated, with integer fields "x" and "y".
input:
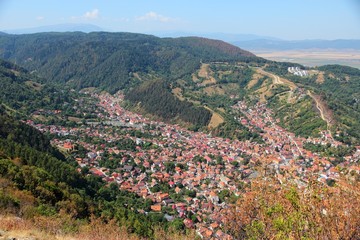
{"x": 173, "y": 135}
{"x": 183, "y": 173}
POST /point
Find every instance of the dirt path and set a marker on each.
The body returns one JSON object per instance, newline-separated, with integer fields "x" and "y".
{"x": 324, "y": 114}
{"x": 277, "y": 80}
{"x": 290, "y": 96}
{"x": 320, "y": 107}
{"x": 273, "y": 76}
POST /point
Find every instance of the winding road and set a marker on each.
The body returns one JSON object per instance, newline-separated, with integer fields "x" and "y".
{"x": 278, "y": 80}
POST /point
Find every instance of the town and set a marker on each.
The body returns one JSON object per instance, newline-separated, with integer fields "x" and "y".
{"x": 189, "y": 175}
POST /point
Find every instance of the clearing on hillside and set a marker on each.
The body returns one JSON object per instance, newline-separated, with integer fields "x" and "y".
{"x": 204, "y": 71}
{"x": 206, "y": 74}
{"x": 214, "y": 90}
{"x": 178, "y": 93}
{"x": 254, "y": 80}
{"x": 216, "y": 119}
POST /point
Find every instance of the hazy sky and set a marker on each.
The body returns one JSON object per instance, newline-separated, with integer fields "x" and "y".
{"x": 286, "y": 19}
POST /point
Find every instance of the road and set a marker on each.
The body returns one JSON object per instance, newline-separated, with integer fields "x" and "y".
{"x": 278, "y": 80}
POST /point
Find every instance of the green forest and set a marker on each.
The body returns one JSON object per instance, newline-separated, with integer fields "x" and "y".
{"x": 155, "y": 97}
{"x": 22, "y": 93}
{"x": 106, "y": 60}
{"x": 341, "y": 92}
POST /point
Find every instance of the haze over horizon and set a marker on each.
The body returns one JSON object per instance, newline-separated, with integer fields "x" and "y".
{"x": 291, "y": 20}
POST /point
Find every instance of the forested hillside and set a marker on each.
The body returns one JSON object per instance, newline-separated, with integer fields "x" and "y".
{"x": 41, "y": 183}
{"x": 23, "y": 92}
{"x": 105, "y": 60}
{"x": 340, "y": 90}
{"x": 157, "y": 99}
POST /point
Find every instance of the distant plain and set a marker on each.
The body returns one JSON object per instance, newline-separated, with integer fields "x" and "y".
{"x": 313, "y": 57}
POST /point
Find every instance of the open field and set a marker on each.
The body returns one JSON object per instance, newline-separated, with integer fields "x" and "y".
{"x": 216, "y": 119}
{"x": 314, "y": 57}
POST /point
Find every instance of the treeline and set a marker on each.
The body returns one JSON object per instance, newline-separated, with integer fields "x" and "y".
{"x": 106, "y": 60}
{"x": 339, "y": 69}
{"x": 155, "y": 97}
{"x": 281, "y": 68}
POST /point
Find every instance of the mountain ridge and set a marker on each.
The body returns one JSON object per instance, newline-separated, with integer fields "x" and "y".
{"x": 67, "y": 27}
{"x": 108, "y": 58}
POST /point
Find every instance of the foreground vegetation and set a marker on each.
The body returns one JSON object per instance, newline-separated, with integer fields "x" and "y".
{"x": 62, "y": 227}
{"x": 270, "y": 210}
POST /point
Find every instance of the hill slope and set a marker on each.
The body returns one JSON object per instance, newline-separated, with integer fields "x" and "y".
{"x": 336, "y": 88}
{"x": 106, "y": 59}
{"x": 22, "y": 92}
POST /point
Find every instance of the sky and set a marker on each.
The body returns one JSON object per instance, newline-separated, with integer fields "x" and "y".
{"x": 285, "y": 19}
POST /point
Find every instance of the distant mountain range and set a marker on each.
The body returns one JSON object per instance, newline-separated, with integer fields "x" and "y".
{"x": 227, "y": 37}
{"x": 86, "y": 28}
{"x": 251, "y": 42}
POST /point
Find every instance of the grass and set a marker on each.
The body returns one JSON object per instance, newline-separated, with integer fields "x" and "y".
{"x": 178, "y": 93}
{"x": 204, "y": 71}
{"x": 44, "y": 228}
{"x": 254, "y": 80}
{"x": 74, "y": 119}
{"x": 214, "y": 90}
{"x": 36, "y": 86}
{"x": 216, "y": 119}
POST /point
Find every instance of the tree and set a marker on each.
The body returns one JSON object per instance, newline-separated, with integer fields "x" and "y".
{"x": 177, "y": 224}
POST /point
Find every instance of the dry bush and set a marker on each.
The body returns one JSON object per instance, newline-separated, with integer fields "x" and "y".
{"x": 171, "y": 234}
{"x": 273, "y": 211}
{"x": 10, "y": 223}
{"x": 52, "y": 225}
{"x": 98, "y": 230}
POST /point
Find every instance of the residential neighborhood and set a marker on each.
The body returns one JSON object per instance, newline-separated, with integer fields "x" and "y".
{"x": 189, "y": 175}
